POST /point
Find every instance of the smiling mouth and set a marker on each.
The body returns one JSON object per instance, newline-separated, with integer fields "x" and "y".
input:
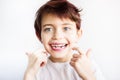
{"x": 58, "y": 46}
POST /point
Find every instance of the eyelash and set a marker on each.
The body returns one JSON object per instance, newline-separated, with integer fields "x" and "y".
{"x": 67, "y": 28}
{"x": 47, "y": 29}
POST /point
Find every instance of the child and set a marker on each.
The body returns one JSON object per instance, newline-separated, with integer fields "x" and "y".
{"x": 57, "y": 26}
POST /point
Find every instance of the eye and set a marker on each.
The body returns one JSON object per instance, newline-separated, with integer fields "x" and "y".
{"x": 67, "y": 28}
{"x": 48, "y": 29}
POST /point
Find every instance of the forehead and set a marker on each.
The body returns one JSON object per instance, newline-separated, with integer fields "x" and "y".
{"x": 54, "y": 19}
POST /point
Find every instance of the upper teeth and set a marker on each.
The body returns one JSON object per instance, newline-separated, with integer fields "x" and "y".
{"x": 58, "y": 45}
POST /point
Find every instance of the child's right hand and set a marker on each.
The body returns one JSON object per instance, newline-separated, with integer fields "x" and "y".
{"x": 35, "y": 61}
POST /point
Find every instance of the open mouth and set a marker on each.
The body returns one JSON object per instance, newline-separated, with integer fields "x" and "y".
{"x": 58, "y": 46}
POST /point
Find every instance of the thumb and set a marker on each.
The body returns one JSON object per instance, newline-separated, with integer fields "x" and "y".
{"x": 88, "y": 53}
{"x": 28, "y": 54}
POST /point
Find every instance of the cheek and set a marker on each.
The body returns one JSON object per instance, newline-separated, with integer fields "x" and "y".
{"x": 44, "y": 38}
{"x": 72, "y": 35}
{"x": 73, "y": 41}
{"x": 45, "y": 41}
{"x": 73, "y": 38}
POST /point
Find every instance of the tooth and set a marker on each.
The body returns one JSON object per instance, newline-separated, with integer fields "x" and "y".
{"x": 58, "y": 45}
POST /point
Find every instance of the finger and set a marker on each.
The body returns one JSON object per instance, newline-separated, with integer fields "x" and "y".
{"x": 43, "y": 64}
{"x": 41, "y": 60}
{"x": 45, "y": 52}
{"x": 88, "y": 53}
{"x": 28, "y": 54}
{"x": 40, "y": 52}
{"x": 75, "y": 55}
{"x": 72, "y": 63}
{"x": 78, "y": 50}
{"x": 74, "y": 59}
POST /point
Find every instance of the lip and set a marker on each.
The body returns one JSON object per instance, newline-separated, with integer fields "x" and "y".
{"x": 58, "y": 46}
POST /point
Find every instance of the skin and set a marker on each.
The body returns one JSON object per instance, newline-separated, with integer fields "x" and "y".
{"x": 60, "y": 31}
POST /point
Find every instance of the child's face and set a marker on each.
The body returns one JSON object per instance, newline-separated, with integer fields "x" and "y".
{"x": 58, "y": 36}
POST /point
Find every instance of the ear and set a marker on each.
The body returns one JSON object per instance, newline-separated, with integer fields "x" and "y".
{"x": 79, "y": 33}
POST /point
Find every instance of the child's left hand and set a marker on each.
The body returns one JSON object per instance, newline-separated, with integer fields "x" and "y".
{"x": 82, "y": 64}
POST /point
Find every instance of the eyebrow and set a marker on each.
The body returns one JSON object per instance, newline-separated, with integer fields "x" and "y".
{"x": 47, "y": 25}
{"x": 67, "y": 24}
{"x": 53, "y": 25}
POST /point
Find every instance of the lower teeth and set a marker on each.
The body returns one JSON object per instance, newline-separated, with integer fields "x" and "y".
{"x": 58, "y": 47}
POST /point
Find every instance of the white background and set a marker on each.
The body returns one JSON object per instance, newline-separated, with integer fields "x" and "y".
{"x": 100, "y": 23}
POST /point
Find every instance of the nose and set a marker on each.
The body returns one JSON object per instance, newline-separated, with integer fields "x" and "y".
{"x": 58, "y": 34}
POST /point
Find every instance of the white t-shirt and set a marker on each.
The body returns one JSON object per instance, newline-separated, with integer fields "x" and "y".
{"x": 62, "y": 71}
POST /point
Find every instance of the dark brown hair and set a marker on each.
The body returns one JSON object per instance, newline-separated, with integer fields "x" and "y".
{"x": 60, "y": 8}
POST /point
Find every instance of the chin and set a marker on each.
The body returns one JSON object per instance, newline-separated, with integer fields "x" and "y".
{"x": 58, "y": 55}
